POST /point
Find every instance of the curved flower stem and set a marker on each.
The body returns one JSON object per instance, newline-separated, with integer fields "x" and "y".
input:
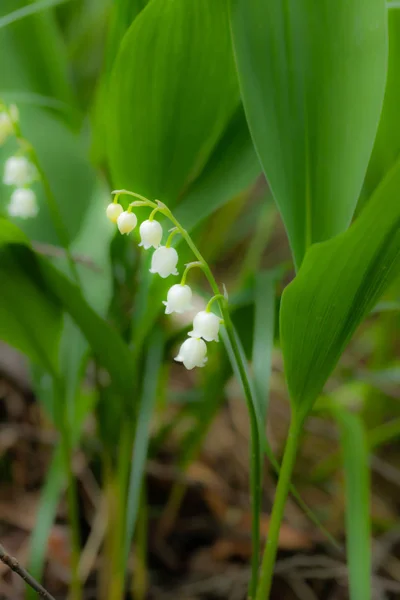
{"x": 214, "y": 299}
{"x": 282, "y": 491}
{"x": 255, "y": 462}
{"x": 190, "y": 266}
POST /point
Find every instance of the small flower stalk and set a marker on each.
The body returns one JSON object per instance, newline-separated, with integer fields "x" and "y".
{"x": 164, "y": 261}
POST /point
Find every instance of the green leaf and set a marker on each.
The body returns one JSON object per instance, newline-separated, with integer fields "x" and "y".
{"x": 339, "y": 282}
{"x": 357, "y": 482}
{"x": 312, "y": 77}
{"x": 172, "y": 92}
{"x": 26, "y": 11}
{"x": 108, "y": 347}
{"x": 387, "y": 143}
{"x": 25, "y": 44}
{"x": 11, "y": 234}
{"x": 34, "y": 331}
{"x": 232, "y": 167}
{"x": 46, "y": 513}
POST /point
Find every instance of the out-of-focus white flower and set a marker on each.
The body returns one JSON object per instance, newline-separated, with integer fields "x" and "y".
{"x": 19, "y": 171}
{"x": 113, "y": 211}
{"x": 192, "y": 353}
{"x": 164, "y": 261}
{"x": 126, "y": 222}
{"x": 6, "y": 127}
{"x": 206, "y": 325}
{"x": 23, "y": 204}
{"x": 179, "y": 299}
{"x": 151, "y": 233}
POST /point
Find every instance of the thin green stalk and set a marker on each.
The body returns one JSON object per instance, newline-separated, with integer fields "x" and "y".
{"x": 282, "y": 491}
{"x": 255, "y": 461}
{"x": 255, "y": 458}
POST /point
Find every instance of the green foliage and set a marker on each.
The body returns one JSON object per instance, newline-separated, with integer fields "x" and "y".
{"x": 36, "y": 331}
{"x": 312, "y": 77}
{"x": 358, "y": 527}
{"x": 172, "y": 92}
{"x": 387, "y": 143}
{"x": 339, "y": 282}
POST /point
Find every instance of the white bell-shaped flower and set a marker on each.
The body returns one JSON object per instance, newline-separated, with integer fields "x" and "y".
{"x": 113, "y": 211}
{"x": 126, "y": 221}
{"x": 23, "y": 204}
{"x": 6, "y": 126}
{"x": 179, "y": 299}
{"x": 206, "y": 325}
{"x": 164, "y": 261}
{"x": 19, "y": 171}
{"x": 192, "y": 353}
{"x": 150, "y": 233}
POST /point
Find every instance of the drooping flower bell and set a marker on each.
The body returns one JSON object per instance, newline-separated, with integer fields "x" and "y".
{"x": 206, "y": 326}
{"x": 179, "y": 299}
{"x": 164, "y": 261}
{"x": 23, "y": 204}
{"x": 192, "y": 353}
{"x": 113, "y": 211}
{"x": 126, "y": 222}
{"x": 19, "y": 171}
{"x": 151, "y": 234}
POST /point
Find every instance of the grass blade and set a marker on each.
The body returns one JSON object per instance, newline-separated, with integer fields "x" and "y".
{"x": 149, "y": 394}
{"x": 358, "y": 527}
{"x": 30, "y": 9}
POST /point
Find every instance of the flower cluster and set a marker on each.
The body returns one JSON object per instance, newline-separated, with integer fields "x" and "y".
{"x": 193, "y": 352}
{"x": 18, "y": 171}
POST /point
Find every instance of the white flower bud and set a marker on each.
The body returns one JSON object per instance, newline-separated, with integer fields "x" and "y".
{"x": 113, "y": 211}
{"x": 23, "y": 204}
{"x": 206, "y": 325}
{"x": 179, "y": 299}
{"x": 164, "y": 261}
{"x": 19, "y": 171}
{"x": 151, "y": 234}
{"x": 192, "y": 353}
{"x": 126, "y": 222}
{"x": 6, "y": 127}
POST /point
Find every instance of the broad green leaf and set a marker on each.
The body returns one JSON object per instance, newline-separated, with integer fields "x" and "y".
{"x": 357, "y": 482}
{"x": 30, "y": 317}
{"x": 232, "y": 167}
{"x": 339, "y": 282}
{"x": 107, "y": 346}
{"x": 11, "y": 234}
{"x": 312, "y": 77}
{"x": 172, "y": 92}
{"x": 387, "y": 143}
